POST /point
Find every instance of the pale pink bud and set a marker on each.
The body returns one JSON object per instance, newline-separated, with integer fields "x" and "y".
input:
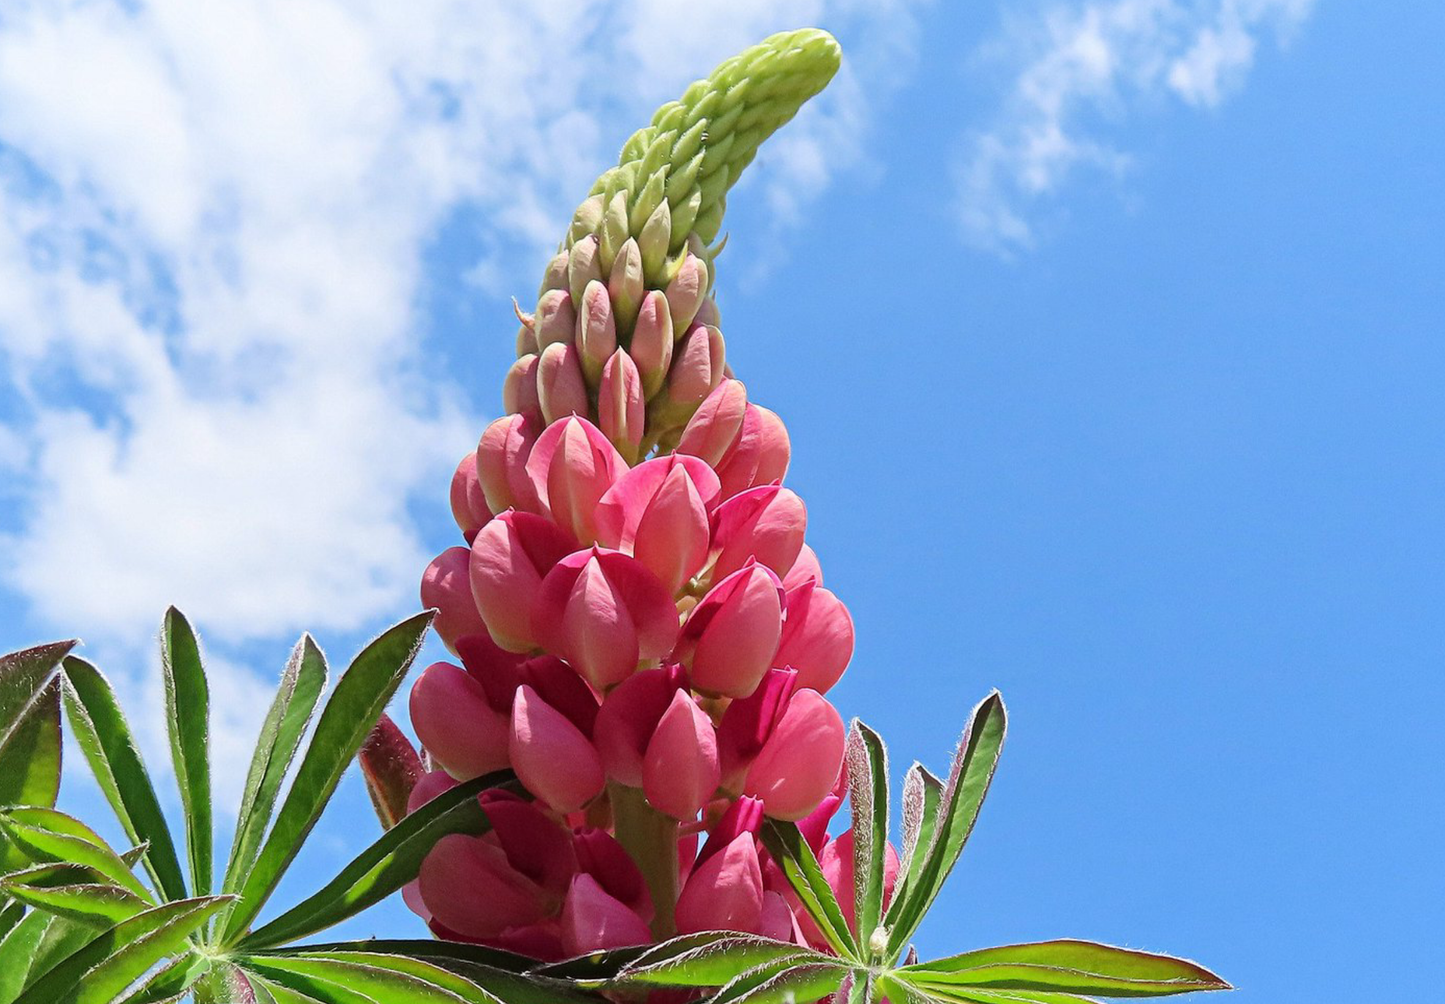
{"x": 502, "y": 463}
{"x": 680, "y": 772}
{"x": 571, "y": 467}
{"x": 707, "y": 313}
{"x": 620, "y": 512}
{"x": 469, "y": 503}
{"x": 527, "y": 338}
{"x": 444, "y": 585}
{"x": 456, "y": 724}
{"x": 555, "y": 320}
{"x": 651, "y": 345}
{"x": 621, "y": 405}
{"x": 697, "y": 368}
{"x": 725, "y": 892}
{"x": 731, "y": 637}
{"x": 593, "y": 921}
{"x": 628, "y": 718}
{"x": 596, "y": 331}
{"x": 551, "y": 755}
{"x": 766, "y": 523}
{"x": 605, "y": 613}
{"x": 583, "y": 265}
{"x": 509, "y": 558}
{"x": 686, "y": 292}
{"x": 817, "y": 636}
{"x": 519, "y": 388}
{"x": 470, "y": 888}
{"x": 799, "y": 763}
{"x": 555, "y": 275}
{"x": 758, "y": 456}
{"x": 716, "y": 425}
{"x": 804, "y": 569}
{"x": 561, "y": 390}
{"x": 625, "y": 283}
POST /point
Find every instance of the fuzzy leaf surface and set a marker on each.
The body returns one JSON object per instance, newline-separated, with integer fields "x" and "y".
{"x": 48, "y": 835}
{"x": 867, "y": 761}
{"x": 800, "y": 866}
{"x": 1069, "y": 966}
{"x": 188, "y": 716}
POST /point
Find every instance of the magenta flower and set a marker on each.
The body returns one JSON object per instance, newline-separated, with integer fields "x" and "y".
{"x": 729, "y": 640}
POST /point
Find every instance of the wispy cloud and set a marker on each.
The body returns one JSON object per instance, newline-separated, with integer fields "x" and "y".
{"x": 214, "y": 386}
{"x": 1077, "y": 71}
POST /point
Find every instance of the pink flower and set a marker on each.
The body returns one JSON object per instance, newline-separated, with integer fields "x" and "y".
{"x": 805, "y": 568}
{"x": 604, "y": 613}
{"x": 817, "y": 636}
{"x": 783, "y": 745}
{"x": 593, "y": 921}
{"x": 509, "y": 559}
{"x": 658, "y": 511}
{"x": 571, "y": 467}
{"x": 561, "y": 389}
{"x": 601, "y": 856}
{"x": 519, "y": 388}
{"x": 551, "y": 755}
{"x": 456, "y": 724}
{"x": 469, "y": 503}
{"x": 746, "y": 444}
{"x": 445, "y": 586}
{"x": 680, "y": 771}
{"x": 725, "y": 892}
{"x": 732, "y": 635}
{"x": 629, "y": 717}
{"x": 502, "y": 463}
{"x": 765, "y": 523}
{"x": 621, "y": 406}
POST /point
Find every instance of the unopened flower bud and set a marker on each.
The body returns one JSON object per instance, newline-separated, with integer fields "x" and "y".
{"x": 658, "y": 512}
{"x": 556, "y": 318}
{"x": 469, "y": 502}
{"x": 613, "y": 232}
{"x": 561, "y": 390}
{"x": 456, "y": 724}
{"x": 724, "y": 893}
{"x": 686, "y": 292}
{"x": 629, "y": 717}
{"x": 621, "y": 406}
{"x": 651, "y": 346}
{"x": 526, "y": 340}
{"x": 444, "y": 585}
{"x": 697, "y": 368}
{"x": 817, "y": 636}
{"x": 551, "y": 755}
{"x": 654, "y": 242}
{"x": 509, "y": 558}
{"x": 596, "y": 331}
{"x": 587, "y": 219}
{"x": 582, "y": 266}
{"x": 502, "y": 463}
{"x": 732, "y": 635}
{"x": 555, "y": 275}
{"x": 519, "y": 389}
{"x": 766, "y": 523}
{"x": 684, "y": 215}
{"x": 799, "y": 763}
{"x": 680, "y": 772}
{"x": 571, "y": 467}
{"x": 714, "y": 428}
{"x": 625, "y": 284}
{"x": 593, "y": 921}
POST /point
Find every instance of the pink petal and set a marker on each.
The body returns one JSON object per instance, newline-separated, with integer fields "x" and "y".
{"x": 717, "y": 423}
{"x": 502, "y": 463}
{"x": 745, "y": 815}
{"x": 469, "y": 503}
{"x": 445, "y": 586}
{"x": 766, "y": 523}
{"x": 681, "y": 772}
{"x": 652, "y": 341}
{"x": 672, "y": 537}
{"x": 468, "y": 886}
{"x": 817, "y": 637}
{"x": 622, "y": 508}
{"x": 551, "y": 756}
{"x": 561, "y": 390}
{"x": 571, "y": 467}
{"x": 535, "y": 844}
{"x": 431, "y": 784}
{"x": 621, "y": 405}
{"x": 601, "y": 856}
{"x": 749, "y": 721}
{"x": 509, "y": 558}
{"x": 732, "y": 635}
{"x": 725, "y": 892}
{"x": 799, "y": 764}
{"x": 453, "y": 720}
{"x": 593, "y": 921}
{"x": 628, "y": 718}
{"x": 805, "y": 568}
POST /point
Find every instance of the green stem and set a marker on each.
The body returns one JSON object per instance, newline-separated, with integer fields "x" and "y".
{"x": 651, "y": 838}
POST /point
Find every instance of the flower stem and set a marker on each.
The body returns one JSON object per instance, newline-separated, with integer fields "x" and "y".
{"x": 651, "y": 838}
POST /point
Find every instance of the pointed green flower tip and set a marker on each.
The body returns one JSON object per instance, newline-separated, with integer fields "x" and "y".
{"x": 672, "y": 179}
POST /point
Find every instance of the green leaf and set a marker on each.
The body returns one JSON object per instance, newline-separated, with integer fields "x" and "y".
{"x": 921, "y": 794}
{"x": 710, "y": 959}
{"x": 334, "y": 981}
{"x": 500, "y": 973}
{"x": 30, "y": 751}
{"x": 46, "y": 835}
{"x": 10, "y": 915}
{"x": 391, "y": 767}
{"x": 23, "y": 674}
{"x": 868, "y": 791}
{"x": 968, "y": 782}
{"x": 171, "y": 981}
{"x": 35, "y": 945}
{"x": 859, "y": 989}
{"x": 360, "y": 697}
{"x": 792, "y": 984}
{"x": 109, "y": 746}
{"x": 188, "y": 712}
{"x": 99, "y": 905}
{"x": 1069, "y": 966}
{"x": 793, "y": 855}
{"x": 302, "y": 682}
{"x": 384, "y": 867}
{"x": 109, "y": 964}
{"x": 906, "y": 993}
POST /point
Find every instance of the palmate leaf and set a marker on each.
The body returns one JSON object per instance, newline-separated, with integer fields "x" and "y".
{"x": 784, "y": 984}
{"x": 188, "y": 710}
{"x": 97, "y": 904}
{"x": 34, "y": 946}
{"x": 302, "y": 683}
{"x": 384, "y": 867}
{"x": 378, "y": 978}
{"x": 921, "y": 794}
{"x": 968, "y": 783}
{"x": 353, "y": 708}
{"x": 48, "y": 835}
{"x": 29, "y": 729}
{"x": 102, "y": 969}
{"x": 105, "y": 738}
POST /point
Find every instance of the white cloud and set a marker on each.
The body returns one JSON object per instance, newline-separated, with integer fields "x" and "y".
{"x": 212, "y": 225}
{"x": 1077, "y": 69}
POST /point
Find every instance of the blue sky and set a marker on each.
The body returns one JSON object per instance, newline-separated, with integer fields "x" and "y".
{"x": 1108, "y": 334}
